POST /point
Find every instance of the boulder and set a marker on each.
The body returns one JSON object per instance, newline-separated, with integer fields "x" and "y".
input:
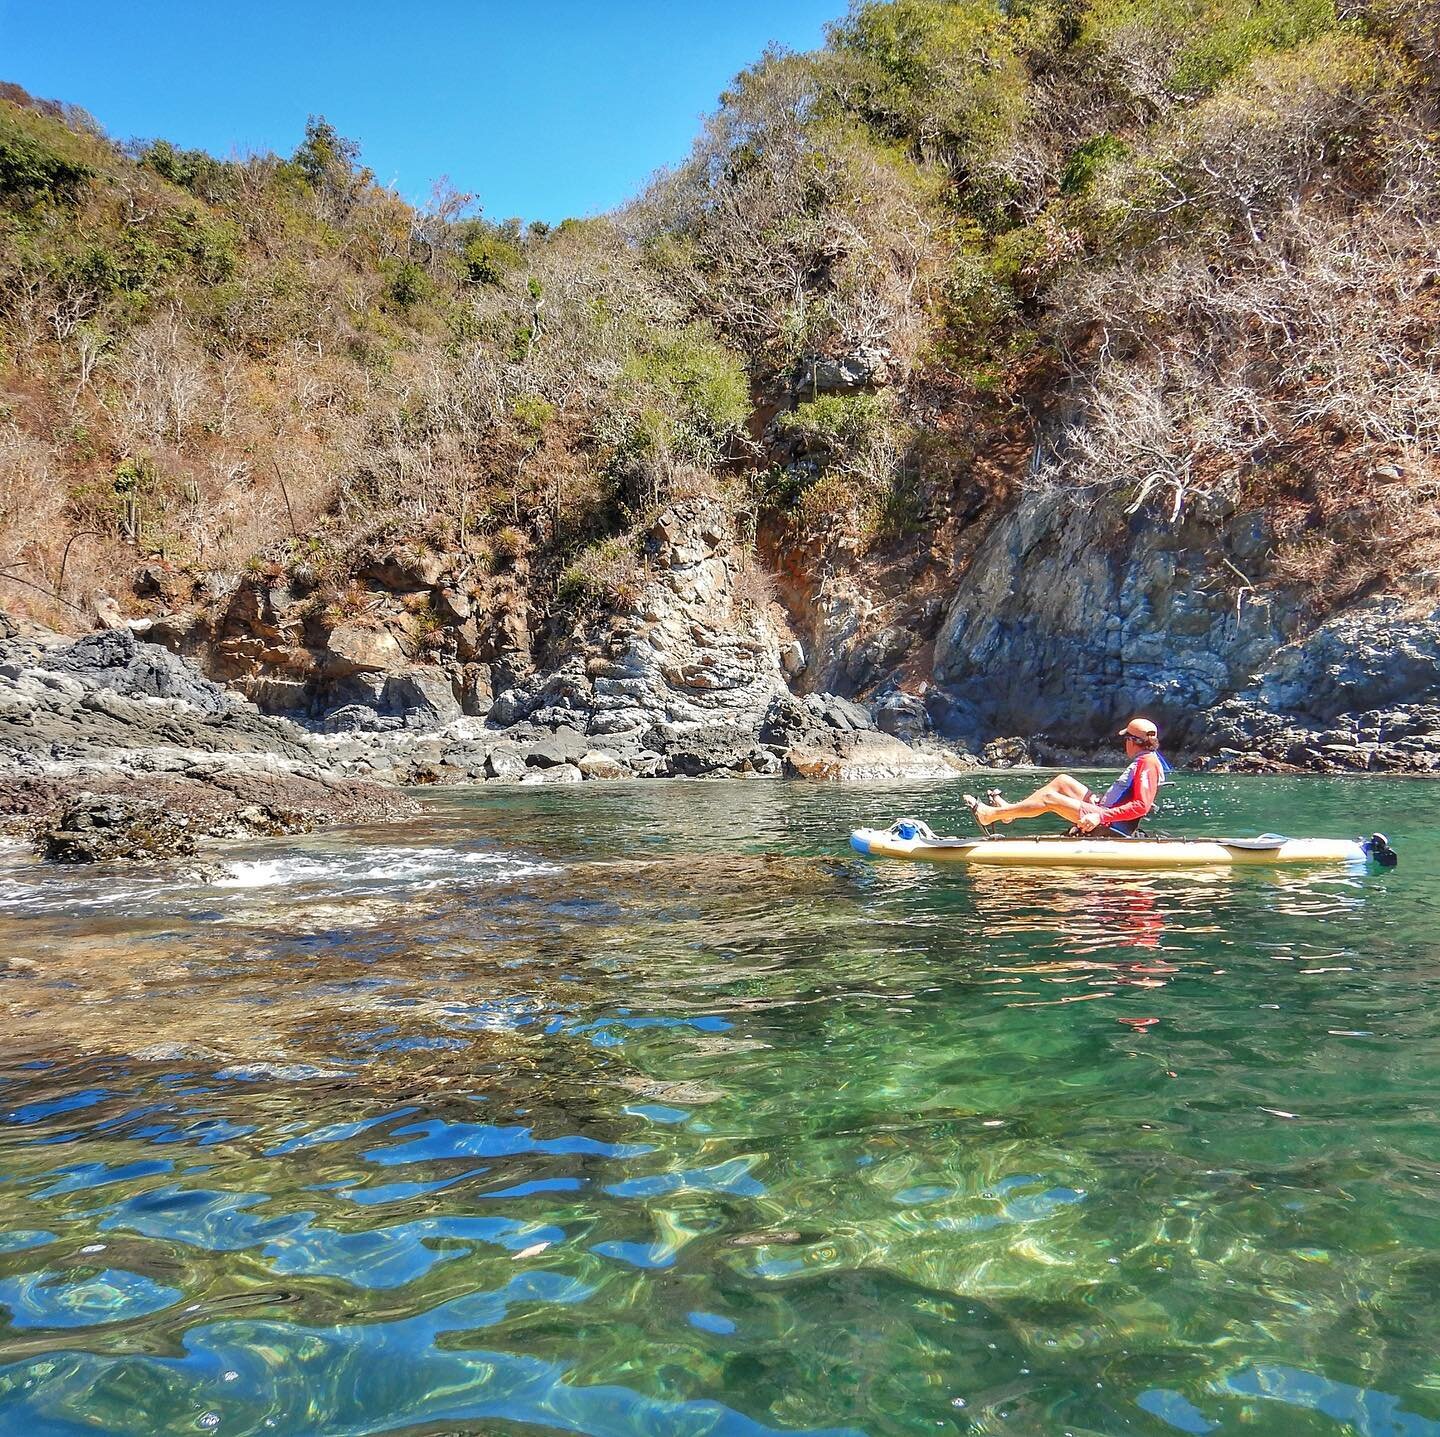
{"x": 628, "y": 721}
{"x": 510, "y": 706}
{"x": 118, "y": 661}
{"x": 861, "y": 368}
{"x": 406, "y": 569}
{"x": 468, "y": 757}
{"x": 694, "y": 750}
{"x": 99, "y": 828}
{"x": 453, "y": 604}
{"x": 560, "y": 773}
{"x": 788, "y": 721}
{"x": 599, "y": 764}
{"x": 357, "y": 718}
{"x": 350, "y": 649}
{"x": 565, "y": 745}
{"x": 902, "y": 715}
{"x": 843, "y": 715}
{"x": 425, "y": 698}
{"x": 477, "y": 697}
{"x": 1005, "y": 753}
{"x": 867, "y": 757}
{"x": 506, "y": 762}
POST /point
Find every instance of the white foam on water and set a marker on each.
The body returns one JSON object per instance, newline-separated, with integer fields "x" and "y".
{"x": 27, "y": 886}
{"x": 412, "y": 867}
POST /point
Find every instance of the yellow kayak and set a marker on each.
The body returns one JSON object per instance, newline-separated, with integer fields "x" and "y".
{"x": 909, "y": 838}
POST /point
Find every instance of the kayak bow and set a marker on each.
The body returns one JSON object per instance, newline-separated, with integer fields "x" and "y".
{"x": 910, "y": 838}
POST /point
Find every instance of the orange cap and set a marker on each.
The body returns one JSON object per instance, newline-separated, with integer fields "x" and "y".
{"x": 1140, "y": 728}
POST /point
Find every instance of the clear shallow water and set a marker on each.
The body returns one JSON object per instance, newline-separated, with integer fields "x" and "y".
{"x": 652, "y": 1109}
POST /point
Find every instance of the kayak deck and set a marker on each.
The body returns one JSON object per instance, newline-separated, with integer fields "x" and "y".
{"x": 1063, "y": 852}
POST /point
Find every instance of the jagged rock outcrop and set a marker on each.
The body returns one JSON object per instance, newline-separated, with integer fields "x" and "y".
{"x": 679, "y": 685}
{"x": 687, "y": 675}
{"x": 92, "y": 728}
{"x": 1071, "y": 616}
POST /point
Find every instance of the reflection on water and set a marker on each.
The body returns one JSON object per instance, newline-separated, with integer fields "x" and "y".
{"x": 649, "y": 1109}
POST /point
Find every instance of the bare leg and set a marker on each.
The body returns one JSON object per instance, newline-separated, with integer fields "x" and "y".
{"x": 1062, "y": 796}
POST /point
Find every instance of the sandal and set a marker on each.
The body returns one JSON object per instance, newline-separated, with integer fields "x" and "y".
{"x": 973, "y": 804}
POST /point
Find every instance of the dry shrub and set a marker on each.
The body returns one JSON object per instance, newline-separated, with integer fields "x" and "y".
{"x": 754, "y": 590}
{"x": 794, "y": 233}
{"x": 1196, "y": 378}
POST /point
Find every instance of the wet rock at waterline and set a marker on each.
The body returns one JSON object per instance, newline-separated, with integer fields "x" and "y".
{"x": 98, "y": 828}
{"x": 96, "y": 732}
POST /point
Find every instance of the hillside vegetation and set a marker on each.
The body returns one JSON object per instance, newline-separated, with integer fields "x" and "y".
{"x": 1162, "y": 248}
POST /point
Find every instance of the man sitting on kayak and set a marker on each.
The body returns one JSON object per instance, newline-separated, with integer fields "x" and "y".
{"x": 1118, "y": 811}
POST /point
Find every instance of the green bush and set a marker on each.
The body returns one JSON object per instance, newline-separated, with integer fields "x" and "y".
{"x": 1087, "y": 160}
{"x": 936, "y": 70}
{"x": 531, "y": 413}
{"x": 602, "y": 576}
{"x": 1209, "y": 40}
{"x": 409, "y": 285}
{"x": 202, "y": 175}
{"x": 1241, "y": 31}
{"x": 838, "y": 423}
{"x": 697, "y": 385}
{"x": 33, "y": 167}
{"x": 487, "y": 254}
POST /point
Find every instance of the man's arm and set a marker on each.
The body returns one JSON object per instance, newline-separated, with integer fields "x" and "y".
{"x": 1147, "y": 785}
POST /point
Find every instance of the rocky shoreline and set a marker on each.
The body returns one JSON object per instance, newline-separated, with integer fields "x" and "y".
{"x": 111, "y": 746}
{"x": 139, "y": 740}
{"x": 114, "y": 746}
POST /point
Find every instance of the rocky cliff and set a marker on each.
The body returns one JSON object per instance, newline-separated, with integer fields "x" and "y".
{"x": 690, "y": 683}
{"x": 1071, "y": 616}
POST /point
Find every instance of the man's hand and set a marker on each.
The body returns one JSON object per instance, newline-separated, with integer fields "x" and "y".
{"x": 1086, "y": 824}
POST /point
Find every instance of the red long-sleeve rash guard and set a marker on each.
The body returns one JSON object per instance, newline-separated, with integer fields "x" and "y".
{"x": 1142, "y": 793}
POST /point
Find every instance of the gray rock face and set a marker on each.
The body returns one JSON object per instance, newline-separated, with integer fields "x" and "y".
{"x": 425, "y": 698}
{"x": 505, "y": 761}
{"x": 358, "y": 718}
{"x": 868, "y": 756}
{"x": 117, "y": 661}
{"x": 1070, "y": 617}
{"x": 903, "y": 716}
{"x": 558, "y": 773}
{"x": 1372, "y": 656}
{"x": 813, "y": 719}
{"x": 865, "y": 367}
{"x": 599, "y": 764}
{"x": 680, "y": 686}
{"x": 565, "y": 745}
{"x": 214, "y": 765}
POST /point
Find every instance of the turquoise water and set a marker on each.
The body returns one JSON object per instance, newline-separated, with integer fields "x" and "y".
{"x": 652, "y": 1109}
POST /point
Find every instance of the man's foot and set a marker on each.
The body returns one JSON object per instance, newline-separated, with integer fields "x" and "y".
{"x": 984, "y": 814}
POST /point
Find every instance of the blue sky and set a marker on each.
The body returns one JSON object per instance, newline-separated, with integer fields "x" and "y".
{"x": 542, "y": 109}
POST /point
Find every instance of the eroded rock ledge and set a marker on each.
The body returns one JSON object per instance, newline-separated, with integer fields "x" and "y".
{"x": 111, "y": 719}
